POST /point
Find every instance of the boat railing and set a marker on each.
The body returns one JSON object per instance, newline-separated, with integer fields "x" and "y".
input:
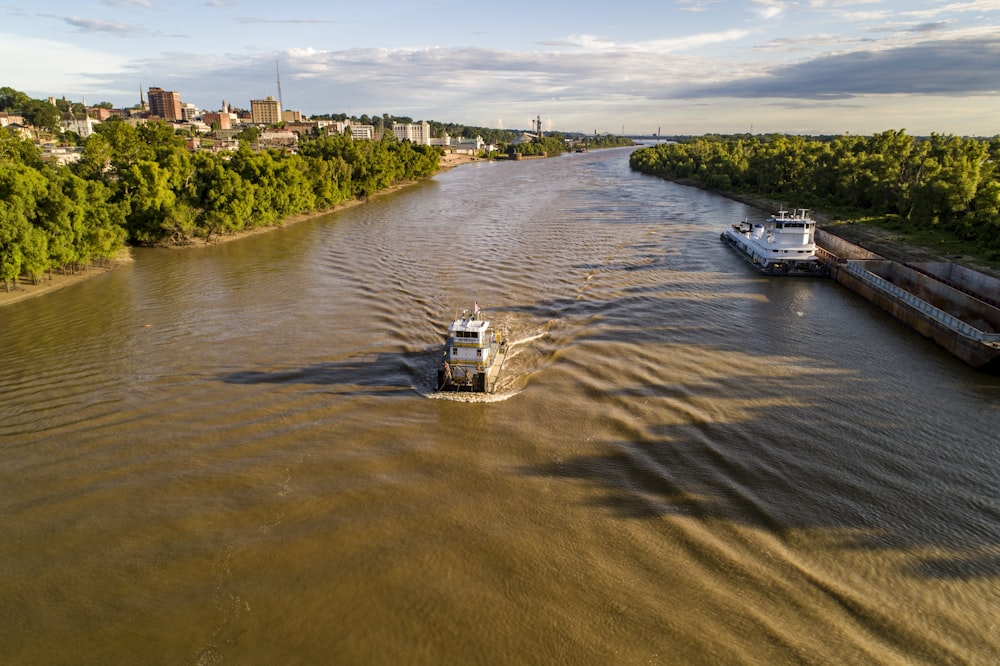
{"x": 937, "y": 314}
{"x": 825, "y": 255}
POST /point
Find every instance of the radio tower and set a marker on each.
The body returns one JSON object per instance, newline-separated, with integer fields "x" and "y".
{"x": 277, "y": 73}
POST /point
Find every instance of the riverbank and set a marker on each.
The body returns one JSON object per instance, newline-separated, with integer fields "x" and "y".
{"x": 58, "y": 279}
{"x": 451, "y": 160}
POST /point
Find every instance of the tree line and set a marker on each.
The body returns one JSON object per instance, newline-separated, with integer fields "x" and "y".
{"x": 946, "y": 183}
{"x": 606, "y": 141}
{"x": 141, "y": 185}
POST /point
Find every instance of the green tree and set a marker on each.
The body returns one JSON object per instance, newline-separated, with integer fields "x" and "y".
{"x": 15, "y": 149}
{"x": 42, "y": 115}
{"x": 248, "y": 135}
{"x": 55, "y": 220}
{"x": 13, "y": 100}
{"x": 226, "y": 200}
{"x": 150, "y": 201}
{"x": 22, "y": 246}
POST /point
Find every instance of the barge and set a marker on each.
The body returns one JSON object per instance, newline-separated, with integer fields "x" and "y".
{"x": 473, "y": 355}
{"x": 964, "y": 322}
{"x": 782, "y": 245}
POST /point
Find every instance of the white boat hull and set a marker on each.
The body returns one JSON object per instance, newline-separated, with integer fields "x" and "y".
{"x": 780, "y": 246}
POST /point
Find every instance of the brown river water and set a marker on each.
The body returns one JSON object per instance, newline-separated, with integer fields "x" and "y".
{"x": 234, "y": 455}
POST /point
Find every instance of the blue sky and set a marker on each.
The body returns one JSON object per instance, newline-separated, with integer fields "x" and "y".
{"x": 681, "y": 66}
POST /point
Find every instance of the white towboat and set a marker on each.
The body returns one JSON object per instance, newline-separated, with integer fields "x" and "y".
{"x": 782, "y": 245}
{"x": 473, "y": 355}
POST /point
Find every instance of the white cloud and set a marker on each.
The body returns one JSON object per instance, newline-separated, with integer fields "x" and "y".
{"x": 696, "y": 5}
{"x": 769, "y": 9}
{"x": 110, "y": 27}
{"x": 874, "y": 15}
{"x": 957, "y": 7}
{"x": 965, "y": 64}
{"x": 129, "y": 3}
{"x": 836, "y": 4}
{"x": 35, "y": 75}
{"x": 660, "y": 46}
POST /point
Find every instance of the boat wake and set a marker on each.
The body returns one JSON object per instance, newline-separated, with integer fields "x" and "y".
{"x": 498, "y": 395}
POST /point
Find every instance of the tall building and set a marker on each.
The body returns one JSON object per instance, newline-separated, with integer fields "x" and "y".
{"x": 265, "y": 111}
{"x": 419, "y": 133}
{"x": 165, "y": 104}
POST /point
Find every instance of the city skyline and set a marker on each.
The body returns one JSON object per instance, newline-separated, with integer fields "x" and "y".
{"x": 684, "y": 67}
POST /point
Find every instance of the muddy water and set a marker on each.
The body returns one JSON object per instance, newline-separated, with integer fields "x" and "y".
{"x": 234, "y": 454}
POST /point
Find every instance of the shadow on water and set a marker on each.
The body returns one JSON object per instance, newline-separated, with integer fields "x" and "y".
{"x": 865, "y": 496}
{"x": 386, "y": 373}
{"x": 818, "y": 446}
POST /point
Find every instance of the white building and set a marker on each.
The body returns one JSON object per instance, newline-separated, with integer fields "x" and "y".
{"x": 362, "y": 132}
{"x": 61, "y": 154}
{"x": 81, "y": 126}
{"x": 419, "y": 133}
{"x": 7, "y": 119}
{"x": 333, "y": 126}
{"x": 471, "y": 146}
{"x": 277, "y": 138}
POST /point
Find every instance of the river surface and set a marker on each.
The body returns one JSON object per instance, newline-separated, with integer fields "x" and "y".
{"x": 234, "y": 455}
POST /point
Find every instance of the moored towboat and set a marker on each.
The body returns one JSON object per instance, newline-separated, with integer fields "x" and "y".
{"x": 473, "y": 355}
{"x": 782, "y": 245}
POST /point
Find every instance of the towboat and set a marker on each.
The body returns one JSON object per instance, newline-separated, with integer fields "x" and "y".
{"x": 473, "y": 355}
{"x": 782, "y": 245}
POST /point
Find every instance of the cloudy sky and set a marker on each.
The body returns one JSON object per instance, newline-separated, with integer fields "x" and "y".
{"x": 680, "y": 66}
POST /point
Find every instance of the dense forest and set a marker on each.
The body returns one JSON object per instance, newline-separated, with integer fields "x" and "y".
{"x": 142, "y": 185}
{"x": 943, "y": 183}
